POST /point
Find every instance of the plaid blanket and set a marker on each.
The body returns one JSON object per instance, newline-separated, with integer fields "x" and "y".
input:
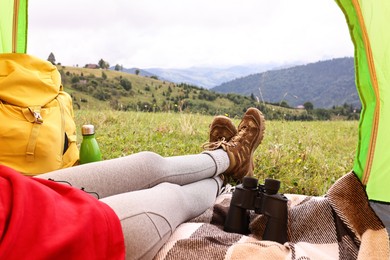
{"x": 339, "y": 225}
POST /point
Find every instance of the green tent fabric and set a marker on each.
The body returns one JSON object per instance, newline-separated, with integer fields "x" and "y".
{"x": 367, "y": 21}
{"x": 13, "y": 26}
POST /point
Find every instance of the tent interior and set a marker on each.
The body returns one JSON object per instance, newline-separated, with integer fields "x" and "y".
{"x": 348, "y": 227}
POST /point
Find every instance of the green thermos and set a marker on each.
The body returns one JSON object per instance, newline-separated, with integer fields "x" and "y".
{"x": 89, "y": 149}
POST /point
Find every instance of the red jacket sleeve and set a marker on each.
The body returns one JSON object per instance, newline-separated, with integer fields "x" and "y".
{"x": 41, "y": 219}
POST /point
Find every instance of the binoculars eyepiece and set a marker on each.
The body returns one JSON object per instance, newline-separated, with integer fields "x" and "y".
{"x": 263, "y": 199}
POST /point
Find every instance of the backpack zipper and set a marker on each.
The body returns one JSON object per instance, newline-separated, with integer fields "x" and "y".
{"x": 62, "y": 123}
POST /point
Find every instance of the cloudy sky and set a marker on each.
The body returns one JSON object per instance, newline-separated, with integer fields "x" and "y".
{"x": 185, "y": 33}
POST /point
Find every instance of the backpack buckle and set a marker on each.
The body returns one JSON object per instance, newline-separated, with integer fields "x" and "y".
{"x": 38, "y": 117}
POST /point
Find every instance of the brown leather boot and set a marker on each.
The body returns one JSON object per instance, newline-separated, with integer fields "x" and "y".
{"x": 222, "y": 128}
{"x": 241, "y": 147}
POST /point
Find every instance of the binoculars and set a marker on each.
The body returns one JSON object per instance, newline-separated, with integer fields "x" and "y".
{"x": 263, "y": 199}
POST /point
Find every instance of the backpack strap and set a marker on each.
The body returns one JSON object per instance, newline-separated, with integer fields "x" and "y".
{"x": 33, "y": 114}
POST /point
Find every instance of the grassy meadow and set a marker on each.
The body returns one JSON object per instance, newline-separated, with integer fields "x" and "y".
{"x": 307, "y": 157}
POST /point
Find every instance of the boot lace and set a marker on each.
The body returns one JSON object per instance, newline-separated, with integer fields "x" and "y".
{"x": 236, "y": 139}
{"x": 210, "y": 146}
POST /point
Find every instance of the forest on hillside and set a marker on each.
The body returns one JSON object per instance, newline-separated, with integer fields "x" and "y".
{"x": 325, "y": 84}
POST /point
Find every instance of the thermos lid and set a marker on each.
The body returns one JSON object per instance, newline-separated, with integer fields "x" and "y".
{"x": 87, "y": 130}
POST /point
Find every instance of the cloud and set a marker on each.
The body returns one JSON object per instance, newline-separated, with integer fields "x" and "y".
{"x": 184, "y": 33}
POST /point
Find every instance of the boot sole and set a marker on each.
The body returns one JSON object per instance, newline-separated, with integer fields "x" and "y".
{"x": 258, "y": 117}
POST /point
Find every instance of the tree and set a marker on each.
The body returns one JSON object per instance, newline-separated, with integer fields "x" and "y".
{"x": 118, "y": 67}
{"x": 253, "y": 97}
{"x": 103, "y": 64}
{"x": 125, "y": 83}
{"x": 75, "y": 79}
{"x": 137, "y": 71}
{"x": 284, "y": 104}
{"x": 308, "y": 105}
{"x": 51, "y": 58}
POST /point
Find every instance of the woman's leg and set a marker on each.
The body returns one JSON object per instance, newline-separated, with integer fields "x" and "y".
{"x": 382, "y": 210}
{"x": 149, "y": 216}
{"x": 140, "y": 171}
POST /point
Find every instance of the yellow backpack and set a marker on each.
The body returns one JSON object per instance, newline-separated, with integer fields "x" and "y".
{"x": 37, "y": 129}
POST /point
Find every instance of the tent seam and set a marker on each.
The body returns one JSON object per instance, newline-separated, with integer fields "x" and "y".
{"x": 375, "y": 123}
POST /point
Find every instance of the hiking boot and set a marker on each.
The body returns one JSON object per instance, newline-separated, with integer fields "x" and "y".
{"x": 222, "y": 128}
{"x": 241, "y": 147}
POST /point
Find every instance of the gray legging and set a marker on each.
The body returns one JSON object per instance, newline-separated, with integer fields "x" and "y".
{"x": 151, "y": 194}
{"x": 382, "y": 210}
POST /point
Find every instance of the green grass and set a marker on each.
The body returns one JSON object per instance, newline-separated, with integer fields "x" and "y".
{"x": 307, "y": 157}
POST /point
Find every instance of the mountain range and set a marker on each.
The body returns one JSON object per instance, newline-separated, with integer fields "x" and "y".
{"x": 325, "y": 83}
{"x": 208, "y": 77}
{"x": 205, "y": 77}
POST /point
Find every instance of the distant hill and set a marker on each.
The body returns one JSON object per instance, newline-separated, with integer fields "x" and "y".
{"x": 101, "y": 89}
{"x": 141, "y": 72}
{"x": 325, "y": 84}
{"x": 207, "y": 77}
